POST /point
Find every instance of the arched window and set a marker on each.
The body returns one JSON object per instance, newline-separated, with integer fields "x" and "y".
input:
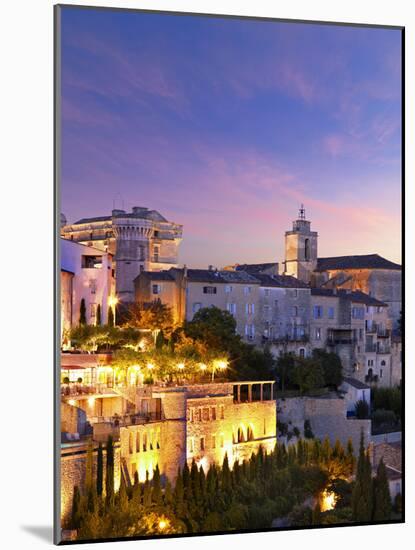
{"x": 307, "y": 249}
{"x": 370, "y": 373}
{"x": 250, "y": 434}
{"x": 241, "y": 437}
{"x": 383, "y": 363}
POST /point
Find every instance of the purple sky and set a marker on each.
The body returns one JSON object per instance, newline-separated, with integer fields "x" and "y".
{"x": 226, "y": 126}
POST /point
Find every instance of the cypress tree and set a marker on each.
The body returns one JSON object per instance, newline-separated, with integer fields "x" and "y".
{"x": 99, "y": 320}
{"x": 82, "y": 312}
{"x": 110, "y": 317}
{"x": 109, "y": 473}
{"x": 350, "y": 458}
{"x": 122, "y": 495}
{"x": 159, "y": 340}
{"x": 179, "y": 494}
{"x": 156, "y": 493}
{"x": 362, "y": 497}
{"x": 168, "y": 494}
{"x": 147, "y": 493}
{"x": 76, "y": 508}
{"x": 100, "y": 470}
{"x": 382, "y": 502}
{"x": 316, "y": 516}
{"x": 226, "y": 475}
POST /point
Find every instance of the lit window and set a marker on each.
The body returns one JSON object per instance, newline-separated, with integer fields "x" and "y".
{"x": 213, "y": 441}
{"x": 222, "y": 412}
{"x": 213, "y": 413}
{"x": 156, "y": 289}
{"x": 318, "y": 334}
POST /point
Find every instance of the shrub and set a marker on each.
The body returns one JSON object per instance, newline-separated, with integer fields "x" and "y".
{"x": 308, "y": 432}
{"x": 362, "y": 409}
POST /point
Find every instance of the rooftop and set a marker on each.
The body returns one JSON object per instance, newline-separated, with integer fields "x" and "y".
{"x": 256, "y": 268}
{"x": 365, "y": 261}
{"x": 352, "y": 295}
{"x": 356, "y": 384}
{"x": 140, "y": 212}
{"x": 281, "y": 281}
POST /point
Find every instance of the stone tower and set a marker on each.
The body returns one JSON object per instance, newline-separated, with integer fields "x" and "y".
{"x": 301, "y": 249}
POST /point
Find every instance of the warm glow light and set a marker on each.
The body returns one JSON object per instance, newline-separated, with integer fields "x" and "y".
{"x": 112, "y": 301}
{"x": 91, "y": 401}
{"x": 328, "y": 501}
{"x": 142, "y": 345}
{"x": 162, "y": 524}
{"x": 180, "y": 366}
{"x": 221, "y": 364}
{"x": 203, "y": 366}
{"x": 71, "y": 402}
{"x": 150, "y": 366}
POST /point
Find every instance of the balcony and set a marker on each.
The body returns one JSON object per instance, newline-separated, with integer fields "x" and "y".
{"x": 383, "y": 333}
{"x": 340, "y": 341}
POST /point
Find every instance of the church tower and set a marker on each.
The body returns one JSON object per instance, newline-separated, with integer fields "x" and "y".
{"x": 301, "y": 249}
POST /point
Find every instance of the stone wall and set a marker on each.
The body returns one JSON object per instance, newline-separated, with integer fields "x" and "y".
{"x": 327, "y": 416}
{"x": 73, "y": 467}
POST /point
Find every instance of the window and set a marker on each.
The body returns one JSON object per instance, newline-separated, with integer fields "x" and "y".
{"x": 222, "y": 441}
{"x": 295, "y": 311}
{"x": 137, "y": 442}
{"x": 360, "y": 334}
{"x": 131, "y": 443}
{"x": 266, "y": 311}
{"x": 249, "y": 331}
{"x": 266, "y": 292}
{"x": 202, "y": 443}
{"x": 93, "y": 286}
{"x": 370, "y": 362}
{"x": 156, "y": 289}
{"x": 231, "y": 308}
{"x": 358, "y": 312}
{"x": 191, "y": 445}
{"x": 241, "y": 437}
{"x": 199, "y": 415}
{"x": 205, "y": 414}
{"x": 144, "y": 442}
{"x": 209, "y": 290}
{"x": 222, "y": 412}
{"x": 318, "y": 312}
{"x": 156, "y": 254}
{"x": 156, "y": 233}
{"x": 91, "y": 262}
{"x": 250, "y": 434}
{"x": 213, "y": 441}
{"x": 302, "y": 352}
{"x": 331, "y": 312}
{"x": 306, "y": 250}
{"x": 381, "y": 373}
{"x": 196, "y": 306}
{"x": 318, "y": 334}
{"x": 295, "y": 293}
{"x": 213, "y": 413}
{"x": 250, "y": 309}
{"x": 383, "y": 363}
{"x": 228, "y": 289}
{"x": 247, "y": 290}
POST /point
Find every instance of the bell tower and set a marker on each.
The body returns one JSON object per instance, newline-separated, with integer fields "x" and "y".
{"x": 301, "y": 249}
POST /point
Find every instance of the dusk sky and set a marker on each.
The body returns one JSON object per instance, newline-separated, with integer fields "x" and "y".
{"x": 226, "y": 126}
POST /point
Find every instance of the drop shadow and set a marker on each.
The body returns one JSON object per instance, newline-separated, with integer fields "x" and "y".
{"x": 43, "y": 532}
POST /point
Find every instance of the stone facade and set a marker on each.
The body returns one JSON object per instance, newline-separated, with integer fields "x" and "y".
{"x": 166, "y": 426}
{"x": 142, "y": 240}
{"x": 327, "y": 416}
{"x": 86, "y": 273}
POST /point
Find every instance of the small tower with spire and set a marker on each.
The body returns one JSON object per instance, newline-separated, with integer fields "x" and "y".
{"x": 301, "y": 248}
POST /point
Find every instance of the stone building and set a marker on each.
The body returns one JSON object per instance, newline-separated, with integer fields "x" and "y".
{"x": 157, "y": 425}
{"x": 356, "y": 327}
{"x": 186, "y": 291}
{"x": 141, "y": 240}
{"x": 369, "y": 273}
{"x": 86, "y": 273}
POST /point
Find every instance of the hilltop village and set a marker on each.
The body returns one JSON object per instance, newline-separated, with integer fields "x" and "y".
{"x": 181, "y": 386}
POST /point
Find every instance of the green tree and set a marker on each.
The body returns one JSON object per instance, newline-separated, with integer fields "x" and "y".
{"x": 76, "y": 513}
{"x": 285, "y": 370}
{"x": 82, "y": 312}
{"x": 109, "y": 473}
{"x": 215, "y": 327}
{"x": 382, "y": 503}
{"x": 362, "y": 496}
{"x": 156, "y": 493}
{"x": 308, "y": 374}
{"x": 331, "y": 365}
{"x": 362, "y": 409}
{"x": 110, "y": 317}
{"x": 99, "y": 320}
{"x": 100, "y": 470}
